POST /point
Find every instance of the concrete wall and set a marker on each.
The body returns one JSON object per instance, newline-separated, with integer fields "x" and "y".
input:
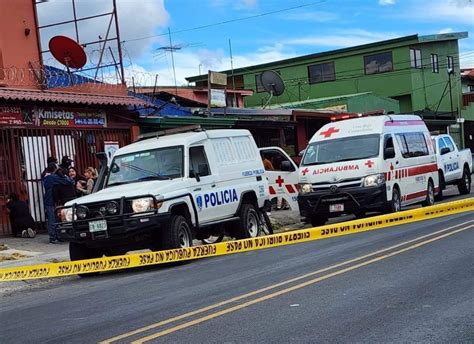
{"x": 18, "y": 49}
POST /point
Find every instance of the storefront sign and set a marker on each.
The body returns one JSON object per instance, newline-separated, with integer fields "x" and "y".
{"x": 15, "y": 115}
{"x": 52, "y": 117}
{"x": 70, "y": 118}
{"x": 217, "y": 98}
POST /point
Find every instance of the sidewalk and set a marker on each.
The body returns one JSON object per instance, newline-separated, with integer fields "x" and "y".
{"x": 26, "y": 251}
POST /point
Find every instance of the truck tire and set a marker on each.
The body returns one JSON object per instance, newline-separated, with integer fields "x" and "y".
{"x": 395, "y": 205}
{"x": 439, "y": 195}
{"x": 318, "y": 220}
{"x": 80, "y": 251}
{"x": 177, "y": 234}
{"x": 248, "y": 224}
{"x": 464, "y": 184}
{"x": 430, "y": 196}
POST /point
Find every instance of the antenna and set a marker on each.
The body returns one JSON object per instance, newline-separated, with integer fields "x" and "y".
{"x": 67, "y": 52}
{"x": 273, "y": 84}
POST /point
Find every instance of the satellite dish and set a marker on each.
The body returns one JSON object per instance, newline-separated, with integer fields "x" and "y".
{"x": 272, "y": 83}
{"x": 67, "y": 51}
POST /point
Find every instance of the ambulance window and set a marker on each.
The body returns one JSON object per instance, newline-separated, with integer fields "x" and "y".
{"x": 449, "y": 143}
{"x": 416, "y": 144}
{"x": 388, "y": 141}
{"x": 403, "y": 145}
{"x": 198, "y": 161}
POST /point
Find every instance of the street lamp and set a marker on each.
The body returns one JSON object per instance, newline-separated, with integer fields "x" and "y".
{"x": 450, "y": 71}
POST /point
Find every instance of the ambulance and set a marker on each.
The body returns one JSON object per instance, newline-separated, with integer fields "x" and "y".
{"x": 361, "y": 164}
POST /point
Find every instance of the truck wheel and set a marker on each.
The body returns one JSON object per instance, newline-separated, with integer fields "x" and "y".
{"x": 318, "y": 220}
{"x": 430, "y": 197}
{"x": 464, "y": 184}
{"x": 80, "y": 251}
{"x": 395, "y": 205}
{"x": 248, "y": 225}
{"x": 439, "y": 195}
{"x": 177, "y": 234}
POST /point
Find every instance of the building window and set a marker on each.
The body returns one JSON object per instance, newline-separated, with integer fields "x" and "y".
{"x": 412, "y": 144}
{"x": 378, "y": 63}
{"x": 415, "y": 58}
{"x": 450, "y": 63}
{"x": 434, "y": 63}
{"x": 321, "y": 72}
{"x": 470, "y": 88}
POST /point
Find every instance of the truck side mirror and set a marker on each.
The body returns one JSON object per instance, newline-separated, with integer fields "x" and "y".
{"x": 286, "y": 166}
{"x": 444, "y": 150}
{"x": 193, "y": 174}
{"x": 389, "y": 153}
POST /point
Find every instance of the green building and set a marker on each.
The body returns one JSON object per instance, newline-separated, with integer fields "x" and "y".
{"x": 412, "y": 70}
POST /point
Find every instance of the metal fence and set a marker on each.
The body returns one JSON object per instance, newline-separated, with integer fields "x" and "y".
{"x": 23, "y": 155}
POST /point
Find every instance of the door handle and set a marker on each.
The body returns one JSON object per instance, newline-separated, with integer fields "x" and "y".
{"x": 213, "y": 185}
{"x": 396, "y": 162}
{"x": 198, "y": 189}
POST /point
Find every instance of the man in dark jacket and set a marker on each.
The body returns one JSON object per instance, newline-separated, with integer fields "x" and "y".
{"x": 65, "y": 163}
{"x": 49, "y": 182}
{"x": 50, "y": 160}
{"x": 63, "y": 193}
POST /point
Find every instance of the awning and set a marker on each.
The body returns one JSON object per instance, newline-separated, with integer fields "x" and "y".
{"x": 70, "y": 98}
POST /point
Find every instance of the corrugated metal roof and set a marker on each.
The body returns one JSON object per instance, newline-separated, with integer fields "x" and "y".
{"x": 70, "y": 98}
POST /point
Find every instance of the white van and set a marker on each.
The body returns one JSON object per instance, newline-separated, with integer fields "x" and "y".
{"x": 162, "y": 192}
{"x": 367, "y": 163}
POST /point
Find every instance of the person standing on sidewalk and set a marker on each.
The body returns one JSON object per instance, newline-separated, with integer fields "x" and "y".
{"x": 49, "y": 182}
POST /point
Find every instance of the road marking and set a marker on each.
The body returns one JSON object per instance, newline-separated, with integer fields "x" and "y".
{"x": 293, "y": 288}
{"x": 271, "y": 287}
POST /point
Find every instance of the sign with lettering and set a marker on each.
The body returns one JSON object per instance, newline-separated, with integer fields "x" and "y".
{"x": 15, "y": 115}
{"x": 47, "y": 117}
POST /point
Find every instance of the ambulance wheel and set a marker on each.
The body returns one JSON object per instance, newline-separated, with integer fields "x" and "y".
{"x": 442, "y": 186}
{"x": 177, "y": 234}
{"x": 318, "y": 220}
{"x": 395, "y": 205}
{"x": 248, "y": 224}
{"x": 80, "y": 251}
{"x": 213, "y": 239}
{"x": 464, "y": 184}
{"x": 430, "y": 197}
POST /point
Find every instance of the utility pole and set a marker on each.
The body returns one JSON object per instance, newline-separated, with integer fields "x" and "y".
{"x": 172, "y": 62}
{"x": 232, "y": 71}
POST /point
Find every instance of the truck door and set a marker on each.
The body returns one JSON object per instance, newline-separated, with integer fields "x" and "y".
{"x": 205, "y": 184}
{"x": 452, "y": 170}
{"x": 282, "y": 175}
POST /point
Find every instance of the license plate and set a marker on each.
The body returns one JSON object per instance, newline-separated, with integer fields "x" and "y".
{"x": 98, "y": 226}
{"x": 334, "y": 208}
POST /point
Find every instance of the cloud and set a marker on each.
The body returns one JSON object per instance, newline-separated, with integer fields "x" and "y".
{"x": 446, "y": 30}
{"x": 188, "y": 64}
{"x": 314, "y": 16}
{"x": 130, "y": 26}
{"x": 387, "y": 2}
{"x": 343, "y": 38}
{"x": 235, "y": 4}
{"x": 452, "y": 11}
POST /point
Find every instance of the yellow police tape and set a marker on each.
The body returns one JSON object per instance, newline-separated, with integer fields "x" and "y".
{"x": 231, "y": 247}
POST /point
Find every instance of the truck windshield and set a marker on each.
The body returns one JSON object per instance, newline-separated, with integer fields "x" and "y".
{"x": 345, "y": 149}
{"x": 156, "y": 164}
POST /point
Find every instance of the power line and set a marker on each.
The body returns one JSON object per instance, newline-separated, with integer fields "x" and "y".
{"x": 264, "y": 14}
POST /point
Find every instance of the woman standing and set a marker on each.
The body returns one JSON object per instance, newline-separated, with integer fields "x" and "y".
{"x": 78, "y": 179}
{"x": 91, "y": 175}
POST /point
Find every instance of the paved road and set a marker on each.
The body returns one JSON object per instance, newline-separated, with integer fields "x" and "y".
{"x": 411, "y": 283}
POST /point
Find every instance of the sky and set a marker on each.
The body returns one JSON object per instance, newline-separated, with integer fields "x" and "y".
{"x": 259, "y": 31}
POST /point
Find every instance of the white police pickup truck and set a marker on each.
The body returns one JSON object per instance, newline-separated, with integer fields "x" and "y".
{"x": 454, "y": 166}
{"x": 165, "y": 191}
